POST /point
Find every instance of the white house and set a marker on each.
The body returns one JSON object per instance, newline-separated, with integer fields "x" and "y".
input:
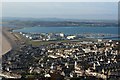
{"x": 71, "y": 37}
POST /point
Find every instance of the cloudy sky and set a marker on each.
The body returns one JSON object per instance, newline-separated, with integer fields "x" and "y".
{"x": 69, "y": 10}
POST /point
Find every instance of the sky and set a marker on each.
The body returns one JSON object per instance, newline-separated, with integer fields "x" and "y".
{"x": 60, "y": 0}
{"x": 66, "y": 10}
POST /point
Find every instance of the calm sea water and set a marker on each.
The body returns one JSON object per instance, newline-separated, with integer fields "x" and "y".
{"x": 70, "y": 30}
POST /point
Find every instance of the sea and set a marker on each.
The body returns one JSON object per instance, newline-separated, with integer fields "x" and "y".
{"x": 71, "y": 30}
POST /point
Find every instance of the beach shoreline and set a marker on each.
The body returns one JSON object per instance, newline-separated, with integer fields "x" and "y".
{"x": 6, "y": 45}
{"x": 8, "y": 41}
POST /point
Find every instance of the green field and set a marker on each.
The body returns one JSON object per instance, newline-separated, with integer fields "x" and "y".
{"x": 37, "y": 43}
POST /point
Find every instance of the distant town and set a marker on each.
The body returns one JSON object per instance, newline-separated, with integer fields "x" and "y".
{"x": 63, "y": 36}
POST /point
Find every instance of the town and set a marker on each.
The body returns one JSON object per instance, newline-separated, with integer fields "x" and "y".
{"x": 63, "y": 36}
{"x": 59, "y": 40}
{"x": 65, "y": 60}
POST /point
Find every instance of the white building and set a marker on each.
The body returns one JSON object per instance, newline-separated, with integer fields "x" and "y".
{"x": 61, "y": 34}
{"x": 71, "y": 37}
